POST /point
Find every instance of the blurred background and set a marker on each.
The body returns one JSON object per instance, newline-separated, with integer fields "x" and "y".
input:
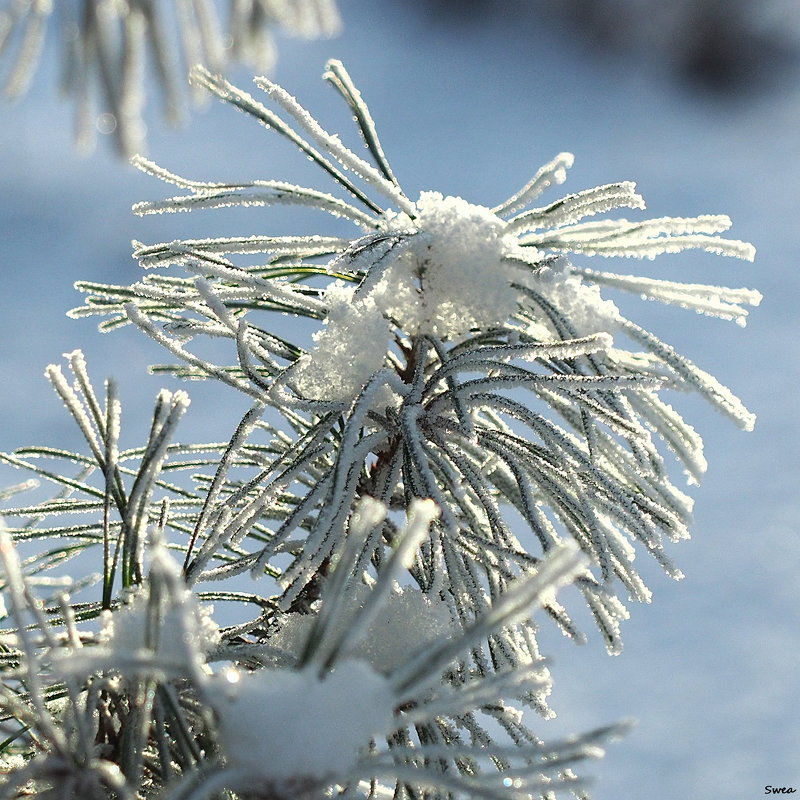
{"x": 699, "y": 103}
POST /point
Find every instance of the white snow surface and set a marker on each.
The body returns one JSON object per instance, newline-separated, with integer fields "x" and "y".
{"x": 286, "y": 726}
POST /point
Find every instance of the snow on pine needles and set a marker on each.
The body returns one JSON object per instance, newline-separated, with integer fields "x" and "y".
{"x": 161, "y": 702}
{"x": 472, "y": 424}
{"x": 460, "y": 355}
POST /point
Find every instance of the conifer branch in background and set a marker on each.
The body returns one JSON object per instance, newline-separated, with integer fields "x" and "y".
{"x": 108, "y": 44}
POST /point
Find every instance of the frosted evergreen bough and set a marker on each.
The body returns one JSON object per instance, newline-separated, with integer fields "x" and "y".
{"x": 161, "y": 703}
{"x": 107, "y": 45}
{"x": 471, "y": 425}
{"x": 498, "y": 384}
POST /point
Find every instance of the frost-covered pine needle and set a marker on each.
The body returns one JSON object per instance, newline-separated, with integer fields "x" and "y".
{"x": 287, "y": 716}
{"x": 317, "y": 713}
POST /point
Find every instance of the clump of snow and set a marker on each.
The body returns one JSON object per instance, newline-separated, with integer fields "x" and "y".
{"x": 406, "y": 622}
{"x": 181, "y": 633}
{"x": 455, "y": 272}
{"x": 580, "y": 303}
{"x": 163, "y": 617}
{"x": 453, "y": 278}
{"x": 11, "y": 762}
{"x": 348, "y": 350}
{"x": 159, "y": 626}
{"x": 289, "y": 727}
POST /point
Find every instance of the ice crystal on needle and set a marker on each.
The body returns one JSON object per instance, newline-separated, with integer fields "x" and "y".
{"x": 461, "y": 355}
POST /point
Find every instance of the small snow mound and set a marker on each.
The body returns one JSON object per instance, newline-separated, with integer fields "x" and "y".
{"x": 348, "y": 351}
{"x": 580, "y": 303}
{"x": 133, "y": 640}
{"x": 284, "y": 726}
{"x": 452, "y": 279}
{"x": 407, "y": 621}
{"x": 186, "y": 631}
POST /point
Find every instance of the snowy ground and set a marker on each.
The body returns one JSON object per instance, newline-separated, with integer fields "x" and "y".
{"x": 472, "y": 108}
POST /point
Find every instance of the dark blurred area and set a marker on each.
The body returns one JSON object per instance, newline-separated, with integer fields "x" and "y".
{"x": 725, "y": 47}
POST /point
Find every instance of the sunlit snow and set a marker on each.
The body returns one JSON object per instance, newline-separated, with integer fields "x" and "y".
{"x": 279, "y": 724}
{"x": 407, "y": 621}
